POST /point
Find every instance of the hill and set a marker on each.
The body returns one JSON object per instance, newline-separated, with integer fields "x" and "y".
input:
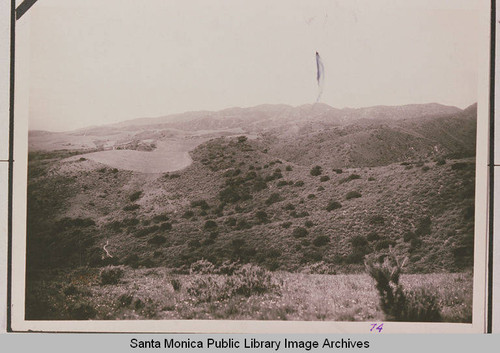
{"x": 238, "y": 202}
{"x": 307, "y": 192}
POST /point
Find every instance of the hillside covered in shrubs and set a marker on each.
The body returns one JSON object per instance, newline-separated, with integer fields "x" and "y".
{"x": 316, "y": 198}
{"x": 236, "y": 202}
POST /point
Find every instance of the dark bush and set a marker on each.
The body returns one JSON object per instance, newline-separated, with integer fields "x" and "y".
{"x": 138, "y": 304}
{"x": 463, "y": 251}
{"x": 251, "y": 279}
{"x": 146, "y": 230}
{"x": 421, "y": 305}
{"x": 289, "y": 207}
{"x": 312, "y": 256}
{"x": 176, "y": 284}
{"x": 384, "y": 244}
{"x": 273, "y": 198}
{"x": 81, "y": 311}
{"x": 352, "y": 195}
{"x": 135, "y": 196}
{"x": 68, "y": 223}
{"x": 130, "y": 222}
{"x": 300, "y": 214}
{"x": 282, "y": 183}
{"x": 372, "y": 236}
{"x": 251, "y": 175}
{"x": 231, "y": 173}
{"x": 315, "y": 171}
{"x": 324, "y": 178}
{"x": 286, "y": 225}
{"x": 300, "y": 232}
{"x": 321, "y": 240}
{"x": 338, "y": 171}
{"x": 230, "y": 194}
{"x": 333, "y": 205}
{"x": 157, "y": 240}
{"x": 441, "y": 161}
{"x": 115, "y": 226}
{"x": 460, "y": 165}
{"x": 70, "y": 290}
{"x": 228, "y": 267}
{"x": 356, "y": 257}
{"x": 132, "y": 207}
{"x": 201, "y": 204}
{"x": 259, "y": 184}
{"x": 288, "y": 168}
{"x": 242, "y": 224}
{"x": 408, "y": 236}
{"x": 359, "y": 241}
{"x": 230, "y": 221}
{"x": 132, "y": 260}
{"x": 299, "y": 183}
{"x": 398, "y": 304}
{"x": 377, "y": 220}
{"x": 194, "y": 243}
{"x": 188, "y": 214}
{"x": 166, "y": 226}
{"x": 305, "y": 242}
{"x": 308, "y": 224}
{"x": 261, "y": 216}
{"x": 311, "y": 196}
{"x": 425, "y": 168}
{"x": 209, "y": 225}
{"x": 468, "y": 213}
{"x": 111, "y": 274}
{"x": 349, "y": 178}
{"x": 125, "y": 300}
{"x": 424, "y": 226}
{"x": 415, "y": 243}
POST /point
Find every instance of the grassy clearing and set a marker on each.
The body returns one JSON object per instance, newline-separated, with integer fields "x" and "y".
{"x": 158, "y": 293}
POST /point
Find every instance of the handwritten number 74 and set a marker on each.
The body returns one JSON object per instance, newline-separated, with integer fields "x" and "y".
{"x": 377, "y": 327}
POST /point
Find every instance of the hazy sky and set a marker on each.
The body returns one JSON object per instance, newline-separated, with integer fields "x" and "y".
{"x": 96, "y": 61}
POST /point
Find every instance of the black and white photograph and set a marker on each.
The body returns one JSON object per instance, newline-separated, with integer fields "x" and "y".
{"x": 250, "y": 162}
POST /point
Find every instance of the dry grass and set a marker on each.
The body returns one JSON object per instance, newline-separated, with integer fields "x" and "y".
{"x": 149, "y": 294}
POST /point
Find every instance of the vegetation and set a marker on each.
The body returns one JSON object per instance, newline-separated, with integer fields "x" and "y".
{"x": 230, "y": 210}
{"x": 111, "y": 275}
{"x": 349, "y": 178}
{"x": 135, "y": 196}
{"x": 316, "y": 294}
{"x": 333, "y": 205}
{"x": 352, "y": 195}
{"x": 398, "y": 304}
{"x": 317, "y": 170}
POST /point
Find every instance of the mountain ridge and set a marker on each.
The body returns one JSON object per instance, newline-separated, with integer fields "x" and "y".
{"x": 316, "y": 111}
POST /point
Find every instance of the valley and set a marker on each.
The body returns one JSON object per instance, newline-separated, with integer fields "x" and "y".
{"x": 293, "y": 191}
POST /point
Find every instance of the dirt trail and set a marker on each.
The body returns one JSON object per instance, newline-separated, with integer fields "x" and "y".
{"x": 106, "y": 250}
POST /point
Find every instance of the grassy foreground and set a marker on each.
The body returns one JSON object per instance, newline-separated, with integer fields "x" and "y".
{"x": 159, "y": 293}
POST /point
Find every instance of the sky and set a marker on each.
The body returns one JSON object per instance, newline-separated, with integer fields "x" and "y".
{"x": 96, "y": 62}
